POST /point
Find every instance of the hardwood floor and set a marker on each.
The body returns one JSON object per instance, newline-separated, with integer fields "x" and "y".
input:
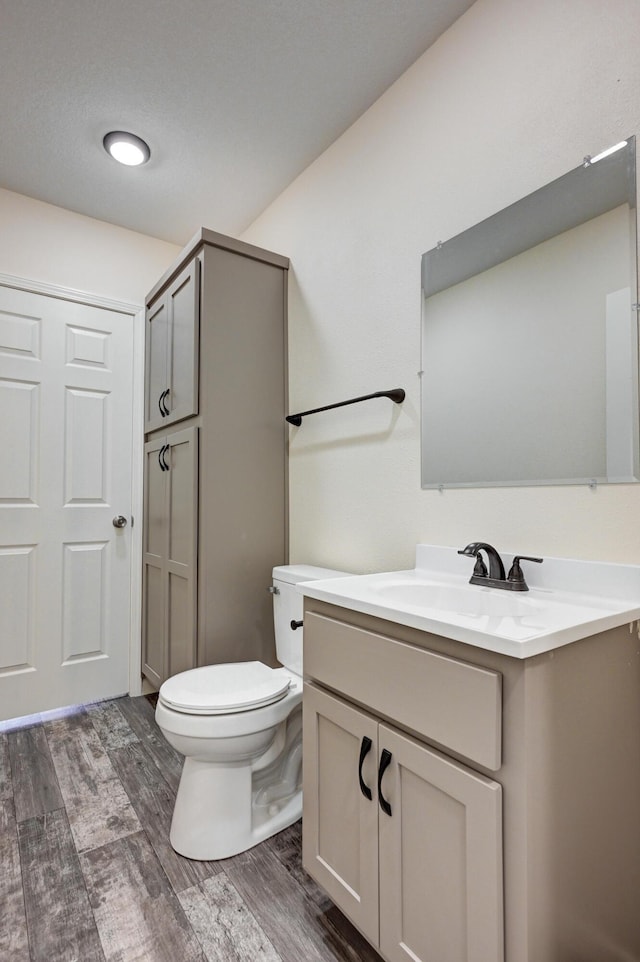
{"x": 87, "y": 873}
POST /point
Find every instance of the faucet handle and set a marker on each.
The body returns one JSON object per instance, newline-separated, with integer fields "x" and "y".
{"x": 516, "y": 576}
{"x": 480, "y": 568}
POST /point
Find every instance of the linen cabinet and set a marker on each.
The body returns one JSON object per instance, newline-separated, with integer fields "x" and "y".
{"x": 215, "y": 483}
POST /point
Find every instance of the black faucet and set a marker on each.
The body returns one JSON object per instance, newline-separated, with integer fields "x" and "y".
{"x": 495, "y": 577}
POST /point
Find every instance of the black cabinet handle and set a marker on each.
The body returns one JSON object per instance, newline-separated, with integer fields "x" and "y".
{"x": 163, "y": 451}
{"x": 365, "y": 748}
{"x": 164, "y": 397}
{"x": 163, "y": 466}
{"x": 162, "y": 407}
{"x": 295, "y": 625}
{"x": 385, "y": 761}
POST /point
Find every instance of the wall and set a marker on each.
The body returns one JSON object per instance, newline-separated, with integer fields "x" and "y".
{"x": 55, "y": 246}
{"x": 511, "y": 97}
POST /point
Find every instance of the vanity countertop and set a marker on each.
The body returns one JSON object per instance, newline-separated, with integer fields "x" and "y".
{"x": 567, "y": 600}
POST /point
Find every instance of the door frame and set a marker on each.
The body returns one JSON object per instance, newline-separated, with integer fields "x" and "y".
{"x": 136, "y": 312}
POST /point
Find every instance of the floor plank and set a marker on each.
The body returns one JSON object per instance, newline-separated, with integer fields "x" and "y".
{"x": 153, "y": 801}
{"x": 141, "y": 717}
{"x": 97, "y": 805}
{"x": 138, "y": 915}
{"x": 59, "y": 917}
{"x": 111, "y": 725}
{"x": 227, "y": 930}
{"x": 298, "y": 926}
{"x": 35, "y": 786}
{"x": 14, "y": 943}
{"x": 6, "y": 784}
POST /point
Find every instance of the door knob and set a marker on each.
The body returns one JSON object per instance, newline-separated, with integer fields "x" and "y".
{"x": 119, "y": 521}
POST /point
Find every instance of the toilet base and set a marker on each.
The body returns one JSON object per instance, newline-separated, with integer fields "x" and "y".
{"x": 220, "y": 812}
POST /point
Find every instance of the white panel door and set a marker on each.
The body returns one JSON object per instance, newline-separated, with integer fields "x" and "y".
{"x": 66, "y": 381}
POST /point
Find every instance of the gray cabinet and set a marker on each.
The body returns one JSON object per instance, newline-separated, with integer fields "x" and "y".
{"x": 170, "y": 553}
{"x": 171, "y": 351}
{"x": 215, "y": 517}
{"x": 554, "y": 871}
{"x": 406, "y": 841}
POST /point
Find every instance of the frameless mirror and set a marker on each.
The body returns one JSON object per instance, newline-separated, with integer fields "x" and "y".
{"x": 530, "y": 338}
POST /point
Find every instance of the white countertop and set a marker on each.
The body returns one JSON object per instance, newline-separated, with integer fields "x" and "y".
{"x": 568, "y": 600}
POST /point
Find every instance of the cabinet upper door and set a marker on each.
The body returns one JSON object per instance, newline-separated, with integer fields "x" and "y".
{"x": 155, "y": 380}
{"x": 172, "y": 338}
{"x": 440, "y": 858}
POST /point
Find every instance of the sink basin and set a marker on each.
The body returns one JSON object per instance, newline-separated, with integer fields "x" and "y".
{"x": 568, "y": 600}
{"x": 467, "y": 600}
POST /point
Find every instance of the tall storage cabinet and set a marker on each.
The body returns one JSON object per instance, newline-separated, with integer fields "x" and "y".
{"x": 215, "y": 483}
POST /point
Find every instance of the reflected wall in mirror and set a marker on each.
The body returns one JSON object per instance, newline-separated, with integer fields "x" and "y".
{"x": 530, "y": 338}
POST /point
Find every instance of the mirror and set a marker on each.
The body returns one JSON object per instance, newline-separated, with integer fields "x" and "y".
{"x": 530, "y": 338}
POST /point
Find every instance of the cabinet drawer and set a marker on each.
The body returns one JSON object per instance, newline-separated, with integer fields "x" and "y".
{"x": 450, "y": 702}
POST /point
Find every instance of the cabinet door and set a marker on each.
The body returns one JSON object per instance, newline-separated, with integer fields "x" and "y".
{"x": 170, "y": 552}
{"x": 340, "y": 824}
{"x": 183, "y": 303}
{"x": 154, "y": 563}
{"x": 182, "y": 516}
{"x": 440, "y": 858}
{"x": 171, "y": 352}
{"x": 155, "y": 375}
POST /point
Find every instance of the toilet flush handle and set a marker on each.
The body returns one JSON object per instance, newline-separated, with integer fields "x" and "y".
{"x": 273, "y": 590}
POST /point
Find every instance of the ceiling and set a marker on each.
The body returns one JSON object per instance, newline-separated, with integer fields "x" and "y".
{"x": 234, "y": 97}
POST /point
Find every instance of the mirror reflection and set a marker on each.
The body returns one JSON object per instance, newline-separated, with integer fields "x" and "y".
{"x": 530, "y": 338}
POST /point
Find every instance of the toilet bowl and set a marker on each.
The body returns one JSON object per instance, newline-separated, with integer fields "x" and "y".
{"x": 239, "y": 727}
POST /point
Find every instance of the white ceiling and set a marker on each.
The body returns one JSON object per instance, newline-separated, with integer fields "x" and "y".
{"x": 234, "y": 97}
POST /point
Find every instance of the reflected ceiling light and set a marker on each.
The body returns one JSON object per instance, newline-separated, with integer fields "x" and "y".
{"x": 126, "y": 148}
{"x": 605, "y": 153}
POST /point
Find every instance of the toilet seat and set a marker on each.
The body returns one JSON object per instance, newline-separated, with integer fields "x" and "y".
{"x": 225, "y": 689}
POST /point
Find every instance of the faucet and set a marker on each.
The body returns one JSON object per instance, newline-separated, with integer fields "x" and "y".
{"x": 495, "y": 576}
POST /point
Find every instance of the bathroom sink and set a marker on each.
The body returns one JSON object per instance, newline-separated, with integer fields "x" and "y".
{"x": 568, "y": 600}
{"x": 463, "y": 599}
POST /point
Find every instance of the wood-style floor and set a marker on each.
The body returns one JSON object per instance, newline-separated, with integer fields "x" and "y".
{"x": 87, "y": 873}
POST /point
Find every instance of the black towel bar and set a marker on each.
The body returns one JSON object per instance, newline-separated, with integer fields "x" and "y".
{"x": 397, "y": 395}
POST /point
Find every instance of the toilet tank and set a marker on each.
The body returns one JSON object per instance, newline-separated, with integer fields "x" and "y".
{"x": 287, "y": 607}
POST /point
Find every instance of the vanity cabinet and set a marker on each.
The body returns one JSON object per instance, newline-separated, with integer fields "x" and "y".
{"x": 405, "y": 841}
{"x": 215, "y": 505}
{"x": 513, "y": 785}
{"x": 171, "y": 351}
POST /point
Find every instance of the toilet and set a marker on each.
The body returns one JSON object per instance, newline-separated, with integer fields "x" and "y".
{"x": 239, "y": 727}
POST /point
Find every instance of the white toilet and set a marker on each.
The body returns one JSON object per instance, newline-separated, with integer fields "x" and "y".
{"x": 239, "y": 727}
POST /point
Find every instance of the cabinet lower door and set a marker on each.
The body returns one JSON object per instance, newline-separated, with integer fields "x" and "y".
{"x": 170, "y": 546}
{"x": 440, "y": 858}
{"x": 340, "y": 823}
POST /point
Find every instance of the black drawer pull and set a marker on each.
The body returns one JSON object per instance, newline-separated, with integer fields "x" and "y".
{"x": 365, "y": 748}
{"x": 385, "y": 761}
{"x": 164, "y": 401}
{"x": 295, "y": 625}
{"x": 161, "y": 462}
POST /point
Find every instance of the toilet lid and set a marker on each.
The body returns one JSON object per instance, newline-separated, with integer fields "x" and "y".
{"x": 222, "y": 689}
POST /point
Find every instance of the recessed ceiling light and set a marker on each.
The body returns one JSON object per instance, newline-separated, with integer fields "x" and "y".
{"x": 126, "y": 148}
